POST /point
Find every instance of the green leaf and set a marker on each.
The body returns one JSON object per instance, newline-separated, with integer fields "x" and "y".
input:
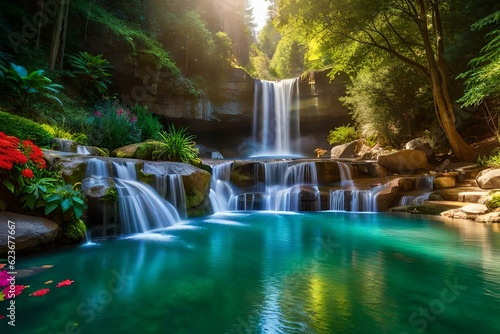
{"x": 66, "y": 204}
{"x": 51, "y": 207}
{"x": 9, "y": 185}
{"x": 78, "y": 200}
{"x": 78, "y": 212}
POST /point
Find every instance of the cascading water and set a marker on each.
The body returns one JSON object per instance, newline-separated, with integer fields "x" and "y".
{"x": 287, "y": 187}
{"x": 141, "y": 208}
{"x": 276, "y": 117}
{"x": 423, "y": 184}
{"x": 171, "y": 188}
{"x": 346, "y": 172}
{"x": 359, "y": 200}
{"x": 220, "y": 187}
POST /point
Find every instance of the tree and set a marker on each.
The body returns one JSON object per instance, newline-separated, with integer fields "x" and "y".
{"x": 355, "y": 31}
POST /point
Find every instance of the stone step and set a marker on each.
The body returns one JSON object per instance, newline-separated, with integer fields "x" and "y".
{"x": 467, "y": 183}
{"x": 471, "y": 196}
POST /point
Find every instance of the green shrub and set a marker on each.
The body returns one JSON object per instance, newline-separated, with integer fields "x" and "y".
{"x": 62, "y": 132}
{"x": 494, "y": 202}
{"x": 342, "y": 135}
{"x": 148, "y": 123}
{"x": 112, "y": 126}
{"x": 24, "y": 128}
{"x": 489, "y": 161}
{"x": 72, "y": 231}
{"x": 178, "y": 146}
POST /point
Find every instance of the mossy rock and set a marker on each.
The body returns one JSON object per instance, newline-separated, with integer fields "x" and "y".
{"x": 145, "y": 150}
{"x": 72, "y": 232}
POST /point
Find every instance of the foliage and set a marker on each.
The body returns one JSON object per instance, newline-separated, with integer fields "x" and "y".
{"x": 288, "y": 59}
{"x": 178, "y": 146}
{"x": 61, "y": 131}
{"x": 386, "y": 99}
{"x": 110, "y": 196}
{"x": 494, "y": 202}
{"x": 23, "y": 170}
{"x": 489, "y": 161}
{"x": 24, "y": 128}
{"x": 22, "y": 88}
{"x": 93, "y": 73}
{"x": 147, "y": 122}
{"x": 137, "y": 38}
{"x": 112, "y": 125}
{"x": 342, "y": 135}
{"x": 482, "y": 80}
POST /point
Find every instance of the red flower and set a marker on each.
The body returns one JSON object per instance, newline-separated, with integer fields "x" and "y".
{"x": 28, "y": 173}
{"x": 64, "y": 283}
{"x": 40, "y": 292}
{"x": 2, "y": 316}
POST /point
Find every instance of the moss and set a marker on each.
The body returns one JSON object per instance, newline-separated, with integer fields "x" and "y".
{"x": 145, "y": 150}
{"x": 194, "y": 198}
{"x": 24, "y": 128}
{"x": 111, "y": 196}
{"x": 72, "y": 232}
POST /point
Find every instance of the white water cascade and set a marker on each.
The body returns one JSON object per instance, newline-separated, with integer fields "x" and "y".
{"x": 286, "y": 187}
{"x": 424, "y": 186}
{"x": 276, "y": 117}
{"x": 221, "y": 190}
{"x": 346, "y": 172}
{"x": 141, "y": 208}
{"x": 360, "y": 200}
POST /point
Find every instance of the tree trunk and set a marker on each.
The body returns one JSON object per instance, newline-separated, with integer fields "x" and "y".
{"x": 65, "y": 28}
{"x": 56, "y": 37}
{"x": 439, "y": 80}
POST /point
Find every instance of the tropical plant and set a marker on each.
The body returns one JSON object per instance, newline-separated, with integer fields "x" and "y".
{"x": 93, "y": 73}
{"x": 112, "y": 125}
{"x": 21, "y": 87}
{"x": 147, "y": 122}
{"x": 178, "y": 146}
{"x": 342, "y": 135}
{"x": 24, "y": 173}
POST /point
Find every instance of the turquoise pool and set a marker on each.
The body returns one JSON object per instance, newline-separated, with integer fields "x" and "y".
{"x": 272, "y": 272}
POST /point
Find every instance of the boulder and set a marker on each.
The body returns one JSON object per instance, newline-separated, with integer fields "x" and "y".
{"x": 445, "y": 181}
{"x": 29, "y": 232}
{"x": 489, "y": 179}
{"x": 404, "y": 162}
{"x": 349, "y": 150}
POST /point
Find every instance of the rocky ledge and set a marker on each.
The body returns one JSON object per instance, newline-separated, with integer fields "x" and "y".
{"x": 21, "y": 233}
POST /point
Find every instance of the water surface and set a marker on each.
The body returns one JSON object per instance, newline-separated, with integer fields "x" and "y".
{"x": 273, "y": 272}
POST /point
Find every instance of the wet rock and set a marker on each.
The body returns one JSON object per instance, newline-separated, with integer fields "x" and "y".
{"x": 29, "y": 232}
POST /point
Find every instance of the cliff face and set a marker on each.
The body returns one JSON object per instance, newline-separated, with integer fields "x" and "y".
{"x": 221, "y": 118}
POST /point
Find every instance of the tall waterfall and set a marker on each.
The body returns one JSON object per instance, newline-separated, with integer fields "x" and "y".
{"x": 141, "y": 208}
{"x": 220, "y": 188}
{"x": 276, "y": 117}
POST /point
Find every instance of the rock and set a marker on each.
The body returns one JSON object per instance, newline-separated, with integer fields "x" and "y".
{"x": 404, "y": 162}
{"x": 29, "y": 232}
{"x": 64, "y": 145}
{"x": 444, "y": 181}
{"x": 471, "y": 196}
{"x": 489, "y": 179}
{"x": 491, "y": 217}
{"x": 127, "y": 151}
{"x": 474, "y": 209}
{"x": 414, "y": 143}
{"x": 349, "y": 150}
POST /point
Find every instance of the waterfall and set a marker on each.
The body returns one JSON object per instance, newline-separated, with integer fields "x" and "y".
{"x": 221, "y": 190}
{"x": 359, "y": 200}
{"x": 424, "y": 182}
{"x": 82, "y": 150}
{"x": 141, "y": 208}
{"x": 97, "y": 168}
{"x": 346, "y": 174}
{"x": 171, "y": 188}
{"x": 414, "y": 200}
{"x": 276, "y": 117}
{"x": 286, "y": 188}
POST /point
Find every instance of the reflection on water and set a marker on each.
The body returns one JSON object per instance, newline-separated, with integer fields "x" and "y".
{"x": 323, "y": 272}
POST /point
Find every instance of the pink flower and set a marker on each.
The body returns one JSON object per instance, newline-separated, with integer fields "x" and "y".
{"x": 97, "y": 113}
{"x": 28, "y": 173}
{"x": 133, "y": 119}
{"x": 16, "y": 291}
{"x": 119, "y": 112}
{"x": 4, "y": 278}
